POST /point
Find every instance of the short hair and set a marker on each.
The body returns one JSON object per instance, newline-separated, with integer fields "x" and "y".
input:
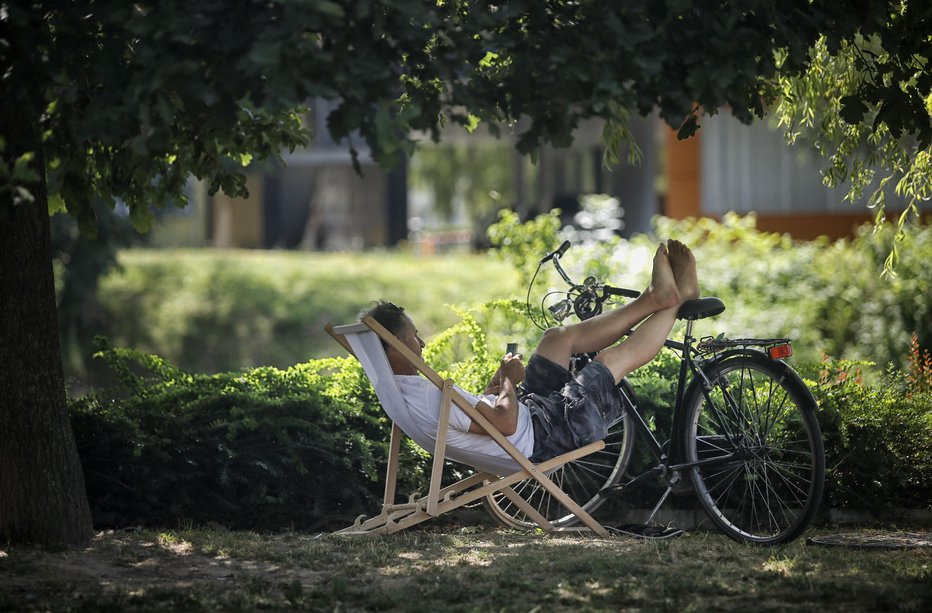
{"x": 391, "y": 316}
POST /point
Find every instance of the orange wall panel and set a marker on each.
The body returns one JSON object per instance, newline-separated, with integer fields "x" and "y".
{"x": 682, "y": 167}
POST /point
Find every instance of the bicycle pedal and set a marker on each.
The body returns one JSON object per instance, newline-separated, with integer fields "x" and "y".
{"x": 612, "y": 490}
{"x": 678, "y": 489}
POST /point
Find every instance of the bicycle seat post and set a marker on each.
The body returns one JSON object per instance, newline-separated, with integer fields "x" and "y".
{"x": 685, "y": 360}
{"x": 688, "y": 341}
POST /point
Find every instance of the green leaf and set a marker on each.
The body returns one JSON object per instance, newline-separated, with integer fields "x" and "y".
{"x": 489, "y": 59}
{"x": 141, "y": 217}
{"x": 266, "y": 53}
{"x": 56, "y": 204}
{"x": 689, "y": 128}
{"x": 853, "y": 109}
{"x": 23, "y": 172}
{"x": 471, "y": 123}
{"x": 329, "y": 8}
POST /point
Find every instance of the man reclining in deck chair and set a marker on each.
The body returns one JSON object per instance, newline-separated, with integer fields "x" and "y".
{"x": 557, "y": 412}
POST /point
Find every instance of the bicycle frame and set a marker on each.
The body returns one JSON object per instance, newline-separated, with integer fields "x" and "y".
{"x": 670, "y": 464}
{"x": 688, "y": 364}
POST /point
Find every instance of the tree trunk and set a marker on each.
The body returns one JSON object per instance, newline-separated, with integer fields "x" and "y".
{"x": 42, "y": 496}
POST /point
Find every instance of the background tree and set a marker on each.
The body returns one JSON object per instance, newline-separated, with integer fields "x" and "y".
{"x": 123, "y": 101}
{"x": 479, "y": 176}
{"x": 865, "y": 103}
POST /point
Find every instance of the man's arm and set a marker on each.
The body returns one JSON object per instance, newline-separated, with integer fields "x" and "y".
{"x": 504, "y": 415}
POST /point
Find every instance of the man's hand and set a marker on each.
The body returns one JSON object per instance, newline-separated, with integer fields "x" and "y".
{"x": 511, "y": 368}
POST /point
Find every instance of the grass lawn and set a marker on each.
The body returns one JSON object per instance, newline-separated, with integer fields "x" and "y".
{"x": 217, "y": 310}
{"x": 458, "y": 569}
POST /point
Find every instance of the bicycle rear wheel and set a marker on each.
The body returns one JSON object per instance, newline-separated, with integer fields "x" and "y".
{"x": 582, "y": 479}
{"x": 756, "y": 449}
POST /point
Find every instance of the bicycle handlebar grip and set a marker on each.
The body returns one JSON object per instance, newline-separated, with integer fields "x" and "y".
{"x": 559, "y": 252}
{"x": 563, "y": 248}
{"x": 620, "y": 291}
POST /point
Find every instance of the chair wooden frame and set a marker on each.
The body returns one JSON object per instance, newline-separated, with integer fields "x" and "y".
{"x": 439, "y": 499}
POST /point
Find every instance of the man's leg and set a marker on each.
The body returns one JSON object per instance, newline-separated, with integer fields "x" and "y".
{"x": 645, "y": 342}
{"x": 559, "y": 344}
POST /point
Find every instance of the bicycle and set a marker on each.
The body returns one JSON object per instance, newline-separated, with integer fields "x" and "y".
{"x": 744, "y": 437}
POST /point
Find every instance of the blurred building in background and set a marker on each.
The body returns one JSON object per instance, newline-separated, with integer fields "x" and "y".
{"x": 448, "y": 193}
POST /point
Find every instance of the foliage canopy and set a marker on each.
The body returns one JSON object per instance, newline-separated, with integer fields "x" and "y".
{"x": 866, "y": 105}
{"x": 131, "y": 98}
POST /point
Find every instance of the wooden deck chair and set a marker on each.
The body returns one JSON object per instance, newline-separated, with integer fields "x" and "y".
{"x": 494, "y": 474}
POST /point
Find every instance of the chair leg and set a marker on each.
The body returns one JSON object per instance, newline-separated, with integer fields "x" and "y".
{"x": 391, "y": 472}
{"x": 530, "y": 511}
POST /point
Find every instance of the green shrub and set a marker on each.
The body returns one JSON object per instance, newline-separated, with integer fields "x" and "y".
{"x": 264, "y": 448}
{"x": 878, "y": 438}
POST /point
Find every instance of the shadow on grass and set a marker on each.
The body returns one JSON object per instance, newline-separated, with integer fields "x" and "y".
{"x": 460, "y": 570}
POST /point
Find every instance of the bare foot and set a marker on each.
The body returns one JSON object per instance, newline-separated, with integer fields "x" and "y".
{"x": 663, "y": 287}
{"x": 684, "y": 270}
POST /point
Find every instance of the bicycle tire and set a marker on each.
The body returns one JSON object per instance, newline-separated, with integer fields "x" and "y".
{"x": 582, "y": 479}
{"x": 763, "y": 467}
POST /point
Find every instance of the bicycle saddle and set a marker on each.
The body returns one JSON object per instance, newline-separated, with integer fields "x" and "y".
{"x": 700, "y": 308}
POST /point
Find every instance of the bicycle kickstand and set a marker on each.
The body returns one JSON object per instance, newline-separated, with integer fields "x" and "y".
{"x": 650, "y": 518}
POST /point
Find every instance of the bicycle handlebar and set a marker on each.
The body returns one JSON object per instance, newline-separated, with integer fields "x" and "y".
{"x": 590, "y": 298}
{"x": 607, "y": 290}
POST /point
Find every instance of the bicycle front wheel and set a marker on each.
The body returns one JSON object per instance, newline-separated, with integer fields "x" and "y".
{"x": 582, "y": 479}
{"x": 755, "y": 449}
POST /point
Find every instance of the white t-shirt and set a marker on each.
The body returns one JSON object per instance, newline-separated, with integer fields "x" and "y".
{"x": 423, "y": 400}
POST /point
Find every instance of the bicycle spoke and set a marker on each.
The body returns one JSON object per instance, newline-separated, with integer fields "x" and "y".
{"x": 587, "y": 468}
{"x": 586, "y": 480}
{"x": 779, "y": 413}
{"x": 792, "y": 486}
{"x": 729, "y": 481}
{"x": 759, "y": 498}
{"x": 771, "y": 519}
{"x": 778, "y": 499}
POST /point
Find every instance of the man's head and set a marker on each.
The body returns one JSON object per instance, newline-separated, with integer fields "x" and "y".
{"x": 394, "y": 319}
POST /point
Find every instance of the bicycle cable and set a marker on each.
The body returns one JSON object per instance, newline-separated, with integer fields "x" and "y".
{"x": 527, "y": 299}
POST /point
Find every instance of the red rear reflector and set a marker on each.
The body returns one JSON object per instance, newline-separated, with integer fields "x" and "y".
{"x": 778, "y": 352}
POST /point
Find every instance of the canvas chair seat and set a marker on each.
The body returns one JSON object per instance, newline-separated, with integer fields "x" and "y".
{"x": 494, "y": 473}
{"x": 368, "y": 349}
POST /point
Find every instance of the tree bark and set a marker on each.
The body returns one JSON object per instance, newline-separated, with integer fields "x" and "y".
{"x": 42, "y": 495}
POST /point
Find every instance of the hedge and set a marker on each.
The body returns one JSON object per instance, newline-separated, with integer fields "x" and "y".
{"x": 305, "y": 447}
